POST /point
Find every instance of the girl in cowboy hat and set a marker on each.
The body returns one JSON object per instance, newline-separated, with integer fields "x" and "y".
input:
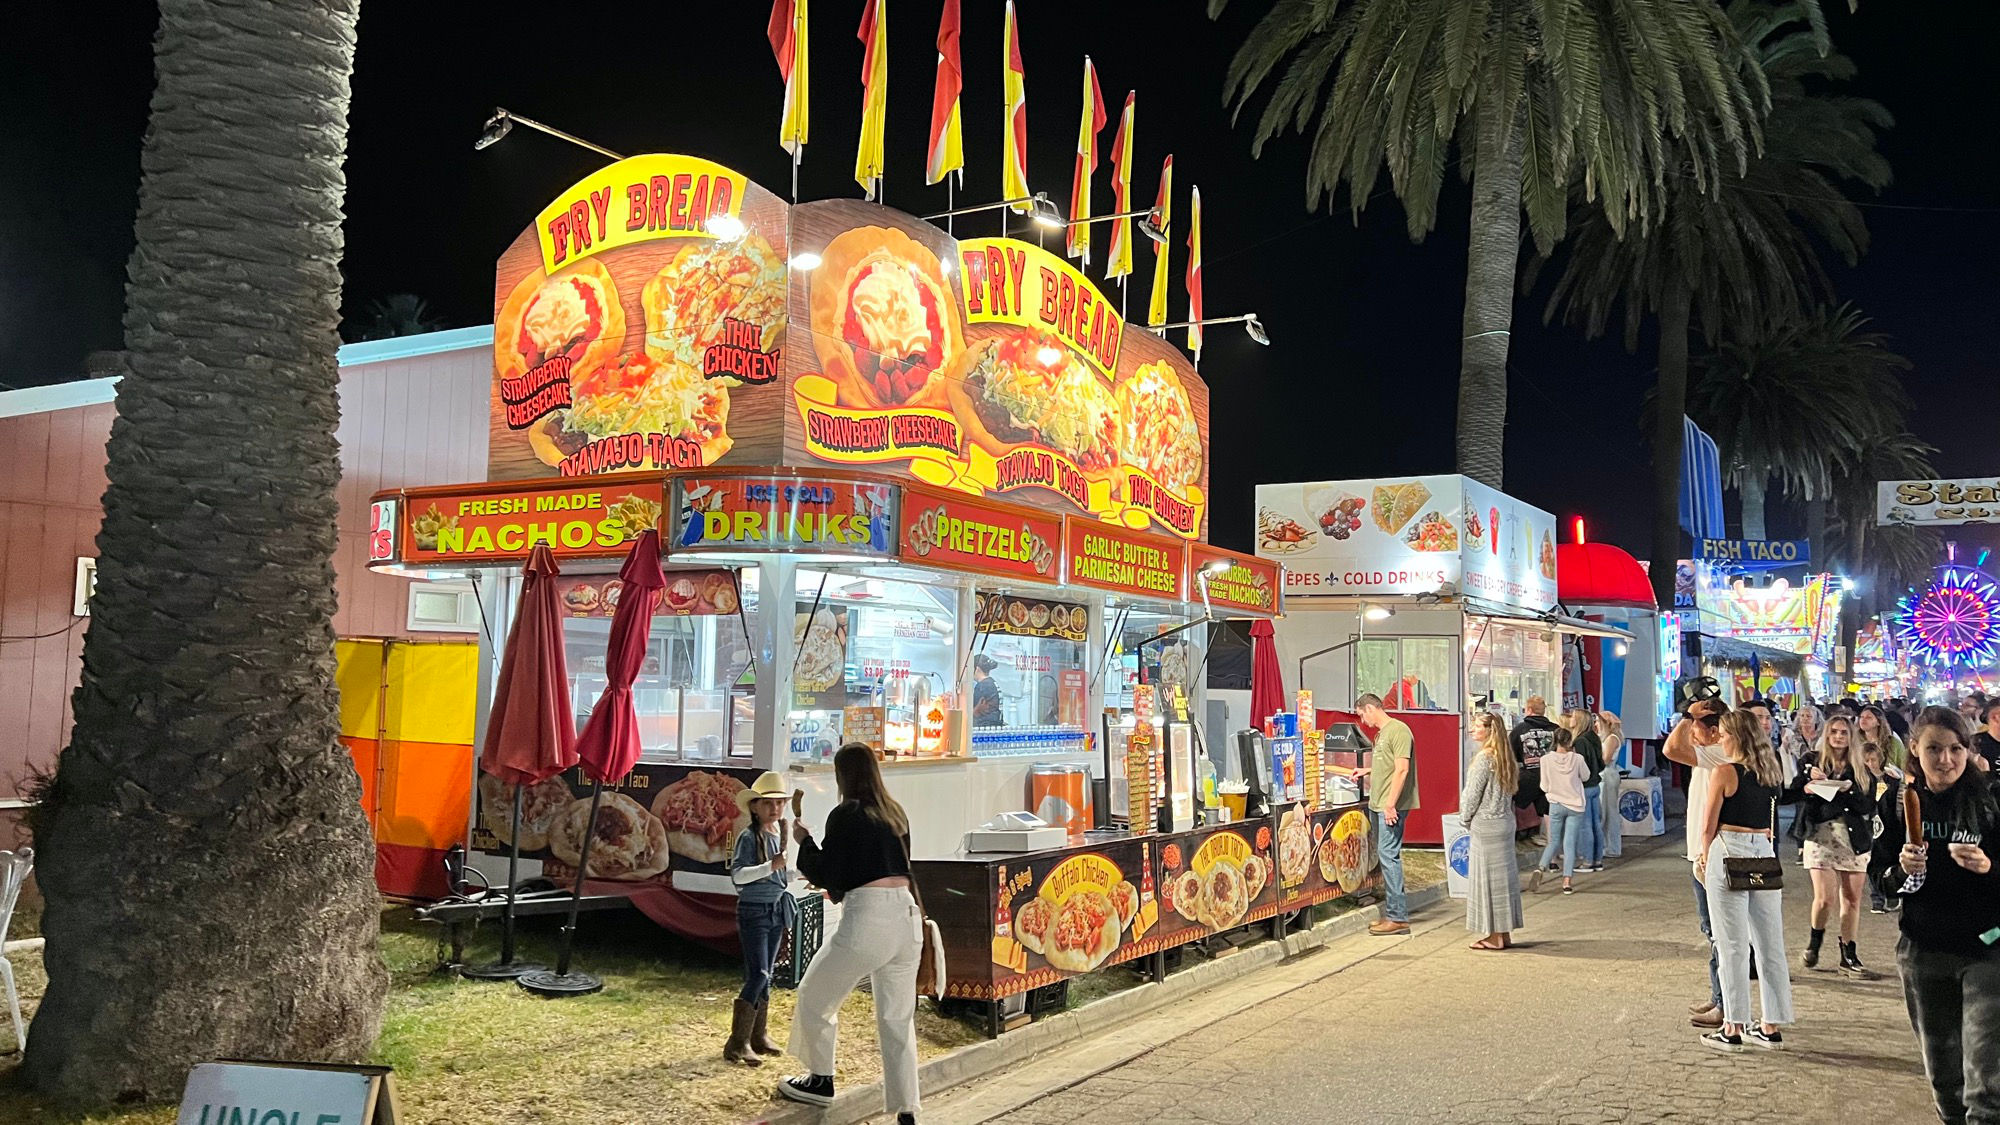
{"x": 763, "y": 913}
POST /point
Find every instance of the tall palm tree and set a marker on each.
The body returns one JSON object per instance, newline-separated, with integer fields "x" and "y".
{"x": 1742, "y": 255}
{"x": 386, "y": 318}
{"x": 208, "y": 870}
{"x": 1794, "y": 399}
{"x": 1531, "y": 93}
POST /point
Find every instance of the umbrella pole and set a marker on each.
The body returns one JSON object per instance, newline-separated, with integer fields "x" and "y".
{"x": 562, "y": 982}
{"x": 506, "y": 968}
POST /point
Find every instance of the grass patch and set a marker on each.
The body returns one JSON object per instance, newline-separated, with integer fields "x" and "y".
{"x": 648, "y": 1048}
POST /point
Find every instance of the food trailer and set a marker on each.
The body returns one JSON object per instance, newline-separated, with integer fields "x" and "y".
{"x": 1436, "y": 593}
{"x": 925, "y": 493}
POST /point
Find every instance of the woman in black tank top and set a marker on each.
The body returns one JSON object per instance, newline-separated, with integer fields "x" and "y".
{"x": 1738, "y": 824}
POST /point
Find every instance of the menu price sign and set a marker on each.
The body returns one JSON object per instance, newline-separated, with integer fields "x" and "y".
{"x": 942, "y": 529}
{"x": 784, "y": 514}
{"x": 1031, "y": 617}
{"x": 688, "y": 593}
{"x": 1112, "y": 558}
{"x": 583, "y": 519}
{"x": 1243, "y": 582}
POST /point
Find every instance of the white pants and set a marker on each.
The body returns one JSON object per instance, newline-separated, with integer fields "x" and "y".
{"x": 881, "y": 938}
{"x": 1742, "y": 921}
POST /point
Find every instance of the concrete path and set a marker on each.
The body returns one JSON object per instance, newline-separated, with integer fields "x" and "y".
{"x": 1584, "y": 1022}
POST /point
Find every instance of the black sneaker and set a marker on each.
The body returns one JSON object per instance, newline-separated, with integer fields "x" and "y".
{"x": 906, "y": 1119}
{"x": 1878, "y": 907}
{"x": 1721, "y": 1042}
{"x": 1772, "y": 1042}
{"x": 815, "y": 1089}
{"x": 1853, "y": 969}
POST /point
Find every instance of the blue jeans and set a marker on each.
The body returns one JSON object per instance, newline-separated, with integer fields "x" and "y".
{"x": 759, "y": 928}
{"x": 1708, "y": 936}
{"x": 1593, "y": 825}
{"x": 1565, "y": 828}
{"x": 1389, "y": 846}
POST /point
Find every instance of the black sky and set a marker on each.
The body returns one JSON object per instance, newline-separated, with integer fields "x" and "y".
{"x": 1360, "y": 380}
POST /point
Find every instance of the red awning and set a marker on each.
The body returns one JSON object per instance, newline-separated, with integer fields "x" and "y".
{"x": 1600, "y": 574}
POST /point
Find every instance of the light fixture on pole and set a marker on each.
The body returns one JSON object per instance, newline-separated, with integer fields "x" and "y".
{"x": 1043, "y": 211}
{"x": 1151, "y": 228}
{"x": 1147, "y": 216}
{"x": 1249, "y": 322}
{"x": 503, "y": 121}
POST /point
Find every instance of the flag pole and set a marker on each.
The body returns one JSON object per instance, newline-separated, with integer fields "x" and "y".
{"x": 795, "y": 172}
{"x": 950, "y": 204}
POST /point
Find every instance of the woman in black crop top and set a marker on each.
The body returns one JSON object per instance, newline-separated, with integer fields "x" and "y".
{"x": 1738, "y": 822}
{"x": 864, "y": 864}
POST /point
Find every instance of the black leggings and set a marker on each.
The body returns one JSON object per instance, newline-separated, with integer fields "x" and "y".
{"x": 1954, "y": 1004}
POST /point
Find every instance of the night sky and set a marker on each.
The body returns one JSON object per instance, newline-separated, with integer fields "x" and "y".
{"x": 1360, "y": 379}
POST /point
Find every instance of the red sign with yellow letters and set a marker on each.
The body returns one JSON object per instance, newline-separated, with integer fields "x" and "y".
{"x": 1235, "y": 581}
{"x": 1130, "y": 562}
{"x": 581, "y": 519}
{"x": 951, "y": 530}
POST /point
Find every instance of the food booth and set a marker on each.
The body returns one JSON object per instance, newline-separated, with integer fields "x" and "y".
{"x": 926, "y": 493}
{"x": 1437, "y": 593}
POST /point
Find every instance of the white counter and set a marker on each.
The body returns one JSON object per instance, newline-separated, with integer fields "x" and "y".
{"x": 945, "y": 797}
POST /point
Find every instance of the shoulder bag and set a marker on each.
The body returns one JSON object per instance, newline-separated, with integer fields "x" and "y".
{"x": 1752, "y": 872}
{"x": 930, "y": 961}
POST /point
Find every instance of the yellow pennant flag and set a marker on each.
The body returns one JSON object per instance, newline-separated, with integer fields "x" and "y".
{"x": 1163, "y": 250}
{"x": 787, "y": 33}
{"x": 1014, "y": 132}
{"x": 874, "y": 36}
{"x": 1120, "y": 263}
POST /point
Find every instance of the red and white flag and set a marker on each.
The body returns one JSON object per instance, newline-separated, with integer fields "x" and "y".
{"x": 947, "y": 152}
{"x": 1119, "y": 258}
{"x": 1077, "y": 242}
{"x": 787, "y": 32}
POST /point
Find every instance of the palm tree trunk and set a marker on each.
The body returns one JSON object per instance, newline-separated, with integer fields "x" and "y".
{"x": 1489, "y": 307}
{"x": 1669, "y": 405}
{"x": 208, "y": 871}
{"x": 1755, "y": 491}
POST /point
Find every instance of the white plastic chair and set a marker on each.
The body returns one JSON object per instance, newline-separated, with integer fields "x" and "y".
{"x": 14, "y": 868}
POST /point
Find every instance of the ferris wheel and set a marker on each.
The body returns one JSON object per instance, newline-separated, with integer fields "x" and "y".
{"x": 1954, "y": 624}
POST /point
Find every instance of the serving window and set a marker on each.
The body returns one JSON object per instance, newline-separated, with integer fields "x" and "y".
{"x": 692, "y": 696}
{"x": 1511, "y": 663}
{"x": 874, "y": 653}
{"x": 1134, "y": 653}
{"x": 1028, "y": 674}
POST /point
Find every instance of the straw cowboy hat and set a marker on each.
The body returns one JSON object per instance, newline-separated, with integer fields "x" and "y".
{"x": 768, "y": 787}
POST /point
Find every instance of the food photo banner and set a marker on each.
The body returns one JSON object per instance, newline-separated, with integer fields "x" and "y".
{"x": 650, "y": 318}
{"x": 581, "y": 519}
{"x": 1937, "y": 503}
{"x": 1408, "y": 535}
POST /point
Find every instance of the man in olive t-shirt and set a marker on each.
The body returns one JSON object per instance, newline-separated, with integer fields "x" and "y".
{"x": 1392, "y": 791}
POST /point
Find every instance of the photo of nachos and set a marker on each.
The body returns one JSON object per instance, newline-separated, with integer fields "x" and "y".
{"x": 706, "y": 283}
{"x": 637, "y": 395}
{"x": 1432, "y": 533}
{"x": 636, "y": 514}
{"x": 424, "y": 527}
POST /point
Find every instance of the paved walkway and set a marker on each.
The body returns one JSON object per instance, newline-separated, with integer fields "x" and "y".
{"x": 1585, "y": 1022}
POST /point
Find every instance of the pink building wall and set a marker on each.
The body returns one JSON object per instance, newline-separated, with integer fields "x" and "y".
{"x": 413, "y": 411}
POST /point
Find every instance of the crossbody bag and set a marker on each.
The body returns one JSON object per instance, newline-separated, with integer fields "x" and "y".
{"x": 1756, "y": 872}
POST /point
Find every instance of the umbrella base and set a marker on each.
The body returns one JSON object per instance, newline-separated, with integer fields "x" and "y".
{"x": 544, "y": 982}
{"x": 500, "y": 970}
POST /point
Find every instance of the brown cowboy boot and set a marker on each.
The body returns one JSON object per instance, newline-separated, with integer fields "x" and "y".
{"x": 760, "y": 1032}
{"x": 738, "y": 1049}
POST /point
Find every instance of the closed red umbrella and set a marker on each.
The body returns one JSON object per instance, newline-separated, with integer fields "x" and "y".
{"x": 609, "y": 745}
{"x": 1267, "y": 682}
{"x": 608, "y": 748}
{"x": 531, "y": 728}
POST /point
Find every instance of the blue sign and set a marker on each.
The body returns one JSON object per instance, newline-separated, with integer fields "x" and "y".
{"x": 1461, "y": 856}
{"x": 1755, "y": 554}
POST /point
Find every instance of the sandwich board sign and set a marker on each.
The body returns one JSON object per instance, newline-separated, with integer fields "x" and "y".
{"x": 238, "y": 1092}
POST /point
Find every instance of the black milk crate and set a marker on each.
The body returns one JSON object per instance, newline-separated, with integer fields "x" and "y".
{"x": 800, "y": 942}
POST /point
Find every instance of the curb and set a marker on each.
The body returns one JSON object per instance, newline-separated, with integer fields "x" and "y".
{"x": 976, "y": 1060}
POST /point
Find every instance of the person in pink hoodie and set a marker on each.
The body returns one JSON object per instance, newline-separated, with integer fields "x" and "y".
{"x": 1563, "y": 774}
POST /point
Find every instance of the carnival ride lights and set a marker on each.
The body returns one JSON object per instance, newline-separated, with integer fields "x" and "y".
{"x": 1955, "y": 623}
